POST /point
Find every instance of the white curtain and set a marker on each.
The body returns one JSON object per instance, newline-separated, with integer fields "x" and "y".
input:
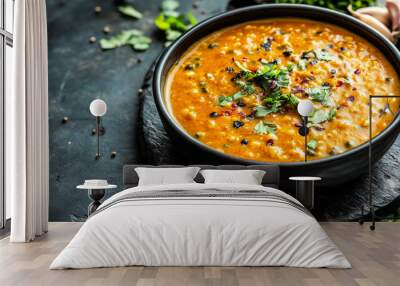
{"x": 27, "y": 124}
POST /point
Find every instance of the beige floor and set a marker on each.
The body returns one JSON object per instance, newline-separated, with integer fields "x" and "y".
{"x": 375, "y": 257}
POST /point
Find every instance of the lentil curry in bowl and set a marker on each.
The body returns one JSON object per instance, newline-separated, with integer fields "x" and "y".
{"x": 237, "y": 89}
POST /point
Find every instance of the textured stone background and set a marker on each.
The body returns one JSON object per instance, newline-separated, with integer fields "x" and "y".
{"x": 80, "y": 72}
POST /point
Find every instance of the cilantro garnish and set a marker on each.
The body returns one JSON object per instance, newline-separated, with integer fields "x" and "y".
{"x": 134, "y": 38}
{"x": 320, "y": 94}
{"x": 224, "y": 100}
{"x": 320, "y": 116}
{"x": 264, "y": 127}
{"x": 172, "y": 22}
{"x": 130, "y": 11}
{"x": 321, "y": 55}
{"x": 312, "y": 144}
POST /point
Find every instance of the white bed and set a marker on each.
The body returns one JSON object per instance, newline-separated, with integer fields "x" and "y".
{"x": 269, "y": 228}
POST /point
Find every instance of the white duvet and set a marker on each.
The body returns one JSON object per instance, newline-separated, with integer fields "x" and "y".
{"x": 200, "y": 231}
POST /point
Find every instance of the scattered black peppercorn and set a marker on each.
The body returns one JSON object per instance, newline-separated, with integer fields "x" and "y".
{"x": 237, "y": 124}
{"x": 275, "y": 62}
{"x": 342, "y": 49}
{"x": 212, "y": 45}
{"x": 287, "y": 53}
{"x": 333, "y": 71}
{"x": 266, "y": 45}
{"x": 97, "y": 9}
{"x": 113, "y": 154}
{"x": 189, "y": 67}
{"x": 214, "y": 114}
{"x": 244, "y": 142}
{"x": 229, "y": 69}
{"x": 107, "y": 29}
{"x": 270, "y": 142}
{"x": 240, "y": 103}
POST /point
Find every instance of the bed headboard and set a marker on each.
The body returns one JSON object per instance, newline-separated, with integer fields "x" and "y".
{"x": 271, "y": 177}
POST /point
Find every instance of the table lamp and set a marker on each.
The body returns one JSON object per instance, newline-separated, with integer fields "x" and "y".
{"x": 98, "y": 108}
{"x": 305, "y": 108}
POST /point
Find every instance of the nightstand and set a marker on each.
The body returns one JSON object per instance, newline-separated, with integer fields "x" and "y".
{"x": 305, "y": 190}
{"x": 96, "y": 191}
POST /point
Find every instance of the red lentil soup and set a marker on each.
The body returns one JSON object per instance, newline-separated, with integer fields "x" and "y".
{"x": 237, "y": 89}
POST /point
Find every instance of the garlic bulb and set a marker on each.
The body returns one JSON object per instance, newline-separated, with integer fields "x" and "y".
{"x": 380, "y": 13}
{"x": 373, "y": 22}
{"x": 394, "y": 12}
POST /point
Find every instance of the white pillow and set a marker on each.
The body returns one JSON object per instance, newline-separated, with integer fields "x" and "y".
{"x": 163, "y": 176}
{"x": 248, "y": 177}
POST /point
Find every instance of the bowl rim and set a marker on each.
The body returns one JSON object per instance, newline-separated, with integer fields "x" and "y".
{"x": 162, "y": 59}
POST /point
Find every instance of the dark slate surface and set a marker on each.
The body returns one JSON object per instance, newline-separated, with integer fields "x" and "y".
{"x": 80, "y": 72}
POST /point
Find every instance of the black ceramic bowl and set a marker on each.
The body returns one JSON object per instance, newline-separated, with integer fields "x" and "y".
{"x": 334, "y": 169}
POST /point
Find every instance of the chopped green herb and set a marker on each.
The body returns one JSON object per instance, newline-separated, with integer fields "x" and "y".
{"x": 262, "y": 111}
{"x": 237, "y": 95}
{"x": 332, "y": 4}
{"x": 312, "y": 144}
{"x": 321, "y": 94}
{"x": 242, "y": 67}
{"x": 264, "y": 127}
{"x": 130, "y": 11}
{"x": 134, "y": 38}
{"x": 323, "y": 55}
{"x": 302, "y": 64}
{"x": 224, "y": 100}
{"x": 290, "y": 67}
{"x": 172, "y": 22}
{"x": 169, "y": 5}
{"x": 320, "y": 116}
{"x": 172, "y": 35}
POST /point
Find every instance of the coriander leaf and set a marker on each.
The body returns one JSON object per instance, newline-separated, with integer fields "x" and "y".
{"x": 161, "y": 22}
{"x": 172, "y": 35}
{"x": 291, "y": 99}
{"x": 237, "y": 95}
{"x": 264, "y": 127}
{"x": 130, "y": 11}
{"x": 169, "y": 5}
{"x": 290, "y": 67}
{"x": 323, "y": 55}
{"x": 132, "y": 37}
{"x": 192, "y": 19}
{"x": 242, "y": 67}
{"x": 178, "y": 22}
{"x": 107, "y": 44}
{"x": 224, "y": 100}
{"x": 320, "y": 116}
{"x": 283, "y": 78}
{"x": 262, "y": 111}
{"x": 312, "y": 144}
{"x": 301, "y": 65}
{"x": 320, "y": 94}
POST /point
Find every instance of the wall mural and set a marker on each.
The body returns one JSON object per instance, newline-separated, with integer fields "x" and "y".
{"x": 107, "y": 52}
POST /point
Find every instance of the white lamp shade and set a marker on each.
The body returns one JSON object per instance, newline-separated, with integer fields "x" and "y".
{"x": 305, "y": 107}
{"x": 98, "y": 107}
